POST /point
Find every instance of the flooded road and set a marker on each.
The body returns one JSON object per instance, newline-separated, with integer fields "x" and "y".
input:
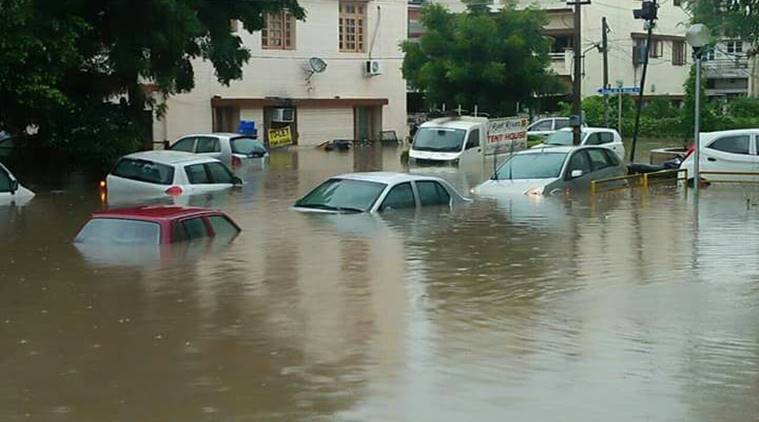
{"x": 628, "y": 306}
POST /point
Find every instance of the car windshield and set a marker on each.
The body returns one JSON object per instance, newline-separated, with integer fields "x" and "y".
{"x": 544, "y": 165}
{"x": 119, "y": 232}
{"x": 144, "y": 171}
{"x": 439, "y": 139}
{"x": 343, "y": 195}
{"x": 562, "y": 137}
{"x": 247, "y": 146}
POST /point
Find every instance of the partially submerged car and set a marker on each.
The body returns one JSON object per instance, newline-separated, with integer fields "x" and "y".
{"x": 232, "y": 148}
{"x": 600, "y": 136}
{"x": 551, "y": 171}
{"x": 160, "y": 173}
{"x": 547, "y": 125}
{"x": 378, "y": 192}
{"x": 735, "y": 152}
{"x": 155, "y": 226}
{"x": 11, "y": 190}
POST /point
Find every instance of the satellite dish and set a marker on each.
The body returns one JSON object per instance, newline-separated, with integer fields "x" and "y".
{"x": 317, "y": 65}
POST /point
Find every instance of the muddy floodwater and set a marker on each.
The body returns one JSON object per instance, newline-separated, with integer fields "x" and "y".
{"x": 628, "y": 306}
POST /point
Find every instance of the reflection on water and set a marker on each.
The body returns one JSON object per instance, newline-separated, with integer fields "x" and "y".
{"x": 628, "y": 306}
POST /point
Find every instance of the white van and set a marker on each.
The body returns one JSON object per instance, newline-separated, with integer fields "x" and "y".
{"x": 449, "y": 139}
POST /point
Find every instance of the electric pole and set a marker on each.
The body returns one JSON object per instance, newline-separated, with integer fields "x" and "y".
{"x": 647, "y": 12}
{"x": 576, "y": 119}
{"x": 605, "y": 47}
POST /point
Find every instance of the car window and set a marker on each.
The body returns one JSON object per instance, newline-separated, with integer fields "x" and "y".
{"x": 222, "y": 227}
{"x": 561, "y": 124}
{"x": 607, "y": 137}
{"x": 611, "y": 158}
{"x": 5, "y": 181}
{"x": 144, "y": 171}
{"x": 473, "y": 140}
{"x": 431, "y": 193}
{"x": 757, "y": 143}
{"x": 219, "y": 173}
{"x": 186, "y": 145}
{"x": 593, "y": 139}
{"x": 178, "y": 233}
{"x": 400, "y": 197}
{"x": 119, "y": 231}
{"x": 343, "y": 194}
{"x": 562, "y": 137}
{"x": 207, "y": 144}
{"x": 541, "y": 125}
{"x": 542, "y": 165}
{"x": 247, "y": 146}
{"x": 196, "y": 174}
{"x": 579, "y": 161}
{"x": 598, "y": 159}
{"x": 732, "y": 144}
{"x": 195, "y": 228}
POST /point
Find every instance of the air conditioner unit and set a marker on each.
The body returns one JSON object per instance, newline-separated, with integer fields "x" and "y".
{"x": 372, "y": 67}
{"x": 283, "y": 115}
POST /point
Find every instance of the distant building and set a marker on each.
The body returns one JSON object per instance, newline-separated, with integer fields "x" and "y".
{"x": 729, "y": 70}
{"x": 360, "y": 93}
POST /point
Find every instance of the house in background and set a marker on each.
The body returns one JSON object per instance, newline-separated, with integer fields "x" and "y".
{"x": 357, "y": 95}
{"x": 729, "y": 70}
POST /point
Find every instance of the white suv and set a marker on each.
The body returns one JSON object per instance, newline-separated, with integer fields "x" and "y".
{"x": 158, "y": 173}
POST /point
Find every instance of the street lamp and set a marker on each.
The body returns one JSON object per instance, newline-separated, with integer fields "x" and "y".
{"x": 698, "y": 37}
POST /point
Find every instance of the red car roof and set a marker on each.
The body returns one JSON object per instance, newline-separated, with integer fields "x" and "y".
{"x": 154, "y": 212}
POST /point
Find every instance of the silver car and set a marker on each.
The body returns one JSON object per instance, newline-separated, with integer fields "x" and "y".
{"x": 231, "y": 148}
{"x": 549, "y": 171}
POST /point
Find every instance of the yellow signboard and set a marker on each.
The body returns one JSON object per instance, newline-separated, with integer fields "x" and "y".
{"x": 280, "y": 137}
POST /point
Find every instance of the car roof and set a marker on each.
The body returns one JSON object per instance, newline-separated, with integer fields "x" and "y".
{"x": 387, "y": 177}
{"x": 729, "y": 132}
{"x": 463, "y": 122}
{"x": 154, "y": 213}
{"x": 586, "y": 129}
{"x": 170, "y": 157}
{"x": 219, "y": 134}
{"x": 551, "y": 149}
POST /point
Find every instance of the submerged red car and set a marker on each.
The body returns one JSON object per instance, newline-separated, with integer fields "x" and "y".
{"x": 155, "y": 225}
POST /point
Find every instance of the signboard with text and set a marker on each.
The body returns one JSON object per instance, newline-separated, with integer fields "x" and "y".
{"x": 280, "y": 137}
{"x": 619, "y": 90}
{"x": 506, "y": 134}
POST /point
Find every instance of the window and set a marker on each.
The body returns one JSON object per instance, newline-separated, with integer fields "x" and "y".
{"x": 186, "y": 145}
{"x": 579, "y": 161}
{"x": 222, "y": 227}
{"x": 611, "y": 158}
{"x": 708, "y": 54}
{"x": 656, "y": 49}
{"x": 473, "y": 140}
{"x": 400, "y": 197}
{"x": 5, "y": 181}
{"x": 732, "y": 144}
{"x": 598, "y": 159}
{"x": 343, "y": 194}
{"x": 540, "y": 125}
{"x": 606, "y": 138}
{"x": 195, "y": 228}
{"x": 439, "y": 139}
{"x": 594, "y": 139}
{"x": 431, "y": 193}
{"x": 144, "y": 171}
{"x": 352, "y": 26}
{"x": 734, "y": 46}
{"x": 561, "y": 123}
{"x": 207, "y": 144}
{"x": 208, "y": 173}
{"x": 178, "y": 233}
{"x": 247, "y": 146}
{"x": 196, "y": 174}
{"x": 677, "y": 3}
{"x": 278, "y": 32}
{"x": 219, "y": 173}
{"x": 679, "y": 56}
{"x": 538, "y": 165}
{"x": 119, "y": 231}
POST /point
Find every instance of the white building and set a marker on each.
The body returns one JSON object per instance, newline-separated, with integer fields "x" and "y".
{"x": 729, "y": 71}
{"x": 342, "y": 102}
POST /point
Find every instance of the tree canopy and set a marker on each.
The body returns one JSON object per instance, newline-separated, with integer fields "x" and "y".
{"x": 489, "y": 59}
{"x": 731, "y": 18}
{"x": 62, "y": 58}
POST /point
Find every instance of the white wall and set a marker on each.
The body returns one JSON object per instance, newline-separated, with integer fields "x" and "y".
{"x": 319, "y": 125}
{"x": 280, "y": 73}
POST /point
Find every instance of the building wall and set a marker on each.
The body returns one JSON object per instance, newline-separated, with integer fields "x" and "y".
{"x": 282, "y": 73}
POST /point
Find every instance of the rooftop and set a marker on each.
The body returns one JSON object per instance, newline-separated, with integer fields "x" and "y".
{"x": 169, "y": 157}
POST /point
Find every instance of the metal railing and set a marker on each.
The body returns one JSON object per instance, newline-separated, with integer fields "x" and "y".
{"x": 643, "y": 180}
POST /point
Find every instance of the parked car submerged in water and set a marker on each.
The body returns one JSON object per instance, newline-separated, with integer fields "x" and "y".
{"x": 232, "y": 148}
{"x": 550, "y": 171}
{"x": 600, "y": 136}
{"x": 11, "y": 190}
{"x": 173, "y": 173}
{"x": 378, "y": 192}
{"x": 731, "y": 151}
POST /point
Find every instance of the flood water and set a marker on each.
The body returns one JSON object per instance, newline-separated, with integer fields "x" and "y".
{"x": 627, "y": 306}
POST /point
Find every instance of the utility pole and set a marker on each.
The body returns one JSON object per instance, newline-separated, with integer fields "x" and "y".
{"x": 647, "y": 12}
{"x": 576, "y": 119}
{"x": 605, "y": 48}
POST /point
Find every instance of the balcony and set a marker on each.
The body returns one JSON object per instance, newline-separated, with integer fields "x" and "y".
{"x": 561, "y": 63}
{"x": 722, "y": 68}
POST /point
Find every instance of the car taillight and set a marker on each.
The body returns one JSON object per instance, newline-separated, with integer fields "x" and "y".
{"x": 236, "y": 161}
{"x": 174, "y": 191}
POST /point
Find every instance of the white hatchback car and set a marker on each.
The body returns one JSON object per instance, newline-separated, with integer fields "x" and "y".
{"x": 730, "y": 151}
{"x": 378, "y": 192}
{"x": 158, "y": 173}
{"x": 11, "y": 192}
{"x": 599, "y": 136}
{"x": 232, "y": 148}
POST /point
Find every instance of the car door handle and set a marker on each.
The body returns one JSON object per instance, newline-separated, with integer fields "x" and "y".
{"x": 711, "y": 159}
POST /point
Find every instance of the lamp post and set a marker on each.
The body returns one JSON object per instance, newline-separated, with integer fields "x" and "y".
{"x": 698, "y": 37}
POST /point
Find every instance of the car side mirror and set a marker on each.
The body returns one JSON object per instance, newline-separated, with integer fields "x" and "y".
{"x": 575, "y": 174}
{"x": 236, "y": 181}
{"x": 14, "y": 186}
{"x": 166, "y": 144}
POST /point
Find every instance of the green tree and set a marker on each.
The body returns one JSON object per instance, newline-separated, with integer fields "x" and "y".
{"x": 62, "y": 58}
{"x": 489, "y": 59}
